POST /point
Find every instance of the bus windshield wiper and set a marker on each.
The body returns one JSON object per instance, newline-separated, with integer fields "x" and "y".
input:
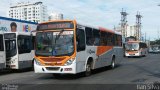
{"x": 57, "y": 36}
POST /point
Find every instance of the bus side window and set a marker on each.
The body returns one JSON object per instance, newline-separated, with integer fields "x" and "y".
{"x": 80, "y": 40}
{"x": 119, "y": 40}
{"x": 96, "y": 35}
{"x": 109, "y": 39}
{"x": 115, "y": 40}
{"x": 24, "y": 44}
{"x": 89, "y": 36}
{"x": 1, "y": 43}
{"x": 103, "y": 38}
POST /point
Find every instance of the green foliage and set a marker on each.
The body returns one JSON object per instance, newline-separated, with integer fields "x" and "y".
{"x": 156, "y": 42}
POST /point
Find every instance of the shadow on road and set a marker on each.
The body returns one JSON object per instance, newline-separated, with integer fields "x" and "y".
{"x": 135, "y": 57}
{"x": 8, "y": 71}
{"x": 103, "y": 69}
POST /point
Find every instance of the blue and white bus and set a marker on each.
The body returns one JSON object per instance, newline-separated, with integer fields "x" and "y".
{"x": 16, "y": 43}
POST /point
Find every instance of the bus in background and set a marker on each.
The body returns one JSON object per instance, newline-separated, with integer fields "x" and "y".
{"x": 65, "y": 47}
{"x": 9, "y": 25}
{"x": 2, "y": 52}
{"x": 136, "y": 48}
{"x": 19, "y": 50}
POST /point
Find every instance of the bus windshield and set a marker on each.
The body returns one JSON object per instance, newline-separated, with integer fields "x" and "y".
{"x": 10, "y": 48}
{"x": 54, "y": 43}
{"x": 132, "y": 46}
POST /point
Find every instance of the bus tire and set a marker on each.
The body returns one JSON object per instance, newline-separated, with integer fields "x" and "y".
{"x": 88, "y": 69}
{"x": 113, "y": 63}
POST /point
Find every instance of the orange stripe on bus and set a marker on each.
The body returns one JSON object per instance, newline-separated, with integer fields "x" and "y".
{"x": 106, "y": 30}
{"x": 103, "y": 49}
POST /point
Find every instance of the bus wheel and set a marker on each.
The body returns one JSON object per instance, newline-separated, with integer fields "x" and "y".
{"x": 88, "y": 69}
{"x": 113, "y": 63}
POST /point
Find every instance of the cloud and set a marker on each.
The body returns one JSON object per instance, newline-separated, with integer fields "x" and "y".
{"x": 105, "y": 13}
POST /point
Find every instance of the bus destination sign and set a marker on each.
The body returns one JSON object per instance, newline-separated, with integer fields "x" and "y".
{"x": 9, "y": 35}
{"x": 55, "y": 25}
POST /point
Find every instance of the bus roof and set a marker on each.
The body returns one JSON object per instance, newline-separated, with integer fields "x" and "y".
{"x": 108, "y": 30}
{"x": 100, "y": 28}
{"x": 134, "y": 41}
{"x": 20, "y": 33}
{"x": 17, "y": 20}
{"x": 104, "y": 29}
{"x": 57, "y": 21}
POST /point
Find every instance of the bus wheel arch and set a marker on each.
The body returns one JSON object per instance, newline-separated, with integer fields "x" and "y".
{"x": 89, "y": 66}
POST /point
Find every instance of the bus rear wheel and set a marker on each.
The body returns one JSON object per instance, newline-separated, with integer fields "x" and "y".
{"x": 113, "y": 63}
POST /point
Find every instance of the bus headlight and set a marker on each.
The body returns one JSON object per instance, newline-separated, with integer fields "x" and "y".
{"x": 37, "y": 62}
{"x": 69, "y": 62}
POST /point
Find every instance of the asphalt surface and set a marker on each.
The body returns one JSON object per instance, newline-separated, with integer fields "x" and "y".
{"x": 130, "y": 73}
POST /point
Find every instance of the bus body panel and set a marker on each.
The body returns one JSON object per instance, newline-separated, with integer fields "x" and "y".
{"x": 104, "y": 59}
{"x": 118, "y": 52}
{"x": 26, "y": 60}
{"x": 12, "y": 62}
{"x": 81, "y": 59}
{"x": 2, "y": 60}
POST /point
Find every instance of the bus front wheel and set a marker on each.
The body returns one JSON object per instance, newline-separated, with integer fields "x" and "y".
{"x": 88, "y": 69}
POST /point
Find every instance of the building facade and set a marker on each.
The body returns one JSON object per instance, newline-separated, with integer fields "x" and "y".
{"x": 131, "y": 30}
{"x": 55, "y": 16}
{"x": 36, "y": 12}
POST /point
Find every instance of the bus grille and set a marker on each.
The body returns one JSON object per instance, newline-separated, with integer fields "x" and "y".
{"x": 52, "y": 59}
{"x": 53, "y": 68}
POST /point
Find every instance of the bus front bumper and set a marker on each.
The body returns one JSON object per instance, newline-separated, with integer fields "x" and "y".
{"x": 71, "y": 69}
{"x": 136, "y": 54}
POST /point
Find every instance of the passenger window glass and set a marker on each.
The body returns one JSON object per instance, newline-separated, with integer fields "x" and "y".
{"x": 96, "y": 35}
{"x": 80, "y": 39}
{"x": 24, "y": 44}
{"x": 1, "y": 43}
{"x": 89, "y": 36}
{"x": 103, "y": 38}
{"x": 109, "y": 39}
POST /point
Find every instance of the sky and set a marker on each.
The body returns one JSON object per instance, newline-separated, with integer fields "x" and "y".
{"x": 104, "y": 13}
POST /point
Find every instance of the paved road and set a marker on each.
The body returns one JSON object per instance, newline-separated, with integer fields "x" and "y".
{"x": 130, "y": 71}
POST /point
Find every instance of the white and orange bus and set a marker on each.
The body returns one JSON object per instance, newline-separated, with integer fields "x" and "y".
{"x": 136, "y": 48}
{"x": 65, "y": 47}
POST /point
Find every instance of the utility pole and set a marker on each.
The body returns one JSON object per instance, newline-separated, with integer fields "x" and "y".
{"x": 114, "y": 28}
{"x": 158, "y": 34}
{"x": 123, "y": 23}
{"x": 145, "y": 37}
{"x": 138, "y": 26}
